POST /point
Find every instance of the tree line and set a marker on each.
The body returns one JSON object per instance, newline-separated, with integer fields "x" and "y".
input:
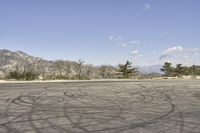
{"x": 72, "y": 70}
{"x": 180, "y": 70}
{"x": 80, "y": 71}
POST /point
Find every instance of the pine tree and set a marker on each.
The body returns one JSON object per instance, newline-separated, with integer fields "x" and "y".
{"x": 127, "y": 70}
{"x": 167, "y": 69}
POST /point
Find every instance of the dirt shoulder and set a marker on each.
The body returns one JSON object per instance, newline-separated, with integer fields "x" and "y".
{"x": 99, "y": 80}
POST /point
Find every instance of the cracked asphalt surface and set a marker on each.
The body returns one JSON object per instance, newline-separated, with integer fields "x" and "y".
{"x": 101, "y": 107}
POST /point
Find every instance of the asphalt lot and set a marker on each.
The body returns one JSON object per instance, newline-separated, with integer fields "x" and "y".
{"x": 101, "y": 107}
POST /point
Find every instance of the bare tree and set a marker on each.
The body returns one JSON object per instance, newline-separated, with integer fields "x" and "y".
{"x": 88, "y": 71}
{"x": 59, "y": 66}
{"x": 106, "y": 71}
{"x": 102, "y": 70}
{"x": 67, "y": 68}
{"x": 79, "y": 68}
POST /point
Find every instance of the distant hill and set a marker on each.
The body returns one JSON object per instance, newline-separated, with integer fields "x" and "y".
{"x": 21, "y": 61}
{"x": 10, "y": 61}
{"x": 150, "y": 69}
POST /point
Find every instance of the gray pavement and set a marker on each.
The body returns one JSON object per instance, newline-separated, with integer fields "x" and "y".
{"x": 101, "y": 107}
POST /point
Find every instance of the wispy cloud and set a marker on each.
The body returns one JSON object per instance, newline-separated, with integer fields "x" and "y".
{"x": 179, "y": 52}
{"x": 147, "y": 6}
{"x": 123, "y": 45}
{"x": 111, "y": 37}
{"x": 135, "y": 42}
{"x": 115, "y": 38}
{"x": 135, "y": 54}
{"x": 118, "y": 40}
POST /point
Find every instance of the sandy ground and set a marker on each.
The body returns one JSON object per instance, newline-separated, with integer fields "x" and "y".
{"x": 67, "y": 81}
{"x": 101, "y": 107}
{"x": 101, "y": 80}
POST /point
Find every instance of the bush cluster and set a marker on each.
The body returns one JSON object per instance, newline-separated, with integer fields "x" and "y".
{"x": 22, "y": 76}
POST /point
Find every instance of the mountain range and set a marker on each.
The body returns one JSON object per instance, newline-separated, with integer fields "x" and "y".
{"x": 21, "y": 61}
{"x": 150, "y": 69}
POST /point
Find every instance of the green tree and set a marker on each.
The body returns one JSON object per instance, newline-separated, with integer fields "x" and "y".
{"x": 194, "y": 70}
{"x": 167, "y": 69}
{"x": 180, "y": 70}
{"x": 127, "y": 70}
{"x": 22, "y": 76}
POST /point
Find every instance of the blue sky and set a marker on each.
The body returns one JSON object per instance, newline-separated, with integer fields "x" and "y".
{"x": 146, "y": 32}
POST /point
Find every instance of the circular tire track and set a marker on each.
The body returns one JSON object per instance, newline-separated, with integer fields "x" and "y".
{"x": 96, "y": 109}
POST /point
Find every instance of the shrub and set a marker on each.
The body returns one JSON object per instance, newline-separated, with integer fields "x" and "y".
{"x": 22, "y": 76}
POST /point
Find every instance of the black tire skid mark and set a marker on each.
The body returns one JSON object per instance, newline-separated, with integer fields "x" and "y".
{"x": 120, "y": 128}
{"x": 155, "y": 119}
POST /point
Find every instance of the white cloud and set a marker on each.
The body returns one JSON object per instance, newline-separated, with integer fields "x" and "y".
{"x": 118, "y": 38}
{"x": 147, "y": 6}
{"x": 115, "y": 38}
{"x": 168, "y": 61}
{"x": 174, "y": 49}
{"x": 135, "y": 52}
{"x": 111, "y": 37}
{"x": 123, "y": 45}
{"x": 135, "y": 42}
{"x": 178, "y": 52}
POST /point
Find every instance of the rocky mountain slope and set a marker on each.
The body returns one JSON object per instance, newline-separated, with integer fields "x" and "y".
{"x": 10, "y": 61}
{"x": 21, "y": 62}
